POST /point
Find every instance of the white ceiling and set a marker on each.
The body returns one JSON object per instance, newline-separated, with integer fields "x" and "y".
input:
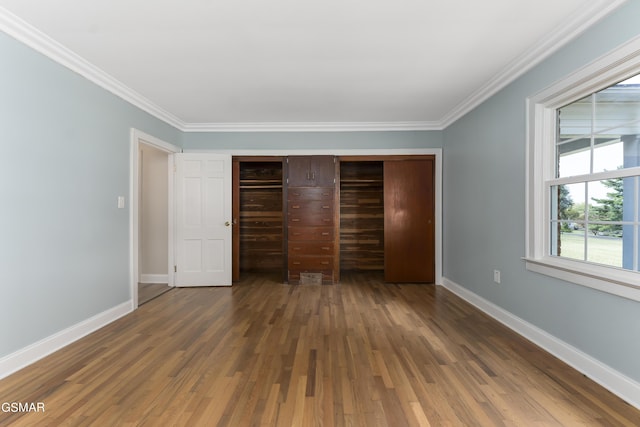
{"x": 255, "y": 64}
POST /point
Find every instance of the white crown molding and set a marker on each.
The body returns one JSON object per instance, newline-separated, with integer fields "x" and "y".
{"x": 568, "y": 31}
{"x": 40, "y": 42}
{"x": 312, "y": 127}
{"x": 587, "y": 16}
{"x": 34, "y": 38}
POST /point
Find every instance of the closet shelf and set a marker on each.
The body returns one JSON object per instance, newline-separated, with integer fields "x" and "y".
{"x": 360, "y": 181}
{"x": 260, "y": 187}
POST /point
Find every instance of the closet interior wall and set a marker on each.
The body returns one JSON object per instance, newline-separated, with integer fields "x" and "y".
{"x": 259, "y": 217}
{"x": 361, "y": 216}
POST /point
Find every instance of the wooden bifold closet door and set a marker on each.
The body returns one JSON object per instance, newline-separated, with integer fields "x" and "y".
{"x": 409, "y": 221}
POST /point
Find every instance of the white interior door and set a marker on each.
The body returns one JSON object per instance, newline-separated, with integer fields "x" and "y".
{"x": 203, "y": 219}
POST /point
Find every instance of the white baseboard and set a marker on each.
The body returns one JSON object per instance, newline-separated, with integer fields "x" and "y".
{"x": 154, "y": 278}
{"x": 36, "y": 351}
{"x": 617, "y": 383}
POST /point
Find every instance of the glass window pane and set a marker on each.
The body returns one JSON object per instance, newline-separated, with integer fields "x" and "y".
{"x": 574, "y": 163}
{"x": 618, "y": 149}
{"x": 605, "y": 247}
{"x": 631, "y": 216}
{"x": 630, "y": 207}
{"x": 568, "y": 216}
{"x": 631, "y": 150}
{"x": 630, "y": 256}
{"x": 573, "y": 155}
{"x": 608, "y": 154}
{"x": 606, "y": 201}
{"x": 569, "y": 244}
{"x": 575, "y": 119}
{"x": 617, "y": 106}
{"x": 569, "y": 202}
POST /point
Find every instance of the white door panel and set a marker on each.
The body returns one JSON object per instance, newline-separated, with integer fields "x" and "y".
{"x": 203, "y": 216}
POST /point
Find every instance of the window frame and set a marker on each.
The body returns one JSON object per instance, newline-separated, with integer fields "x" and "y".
{"x": 619, "y": 64}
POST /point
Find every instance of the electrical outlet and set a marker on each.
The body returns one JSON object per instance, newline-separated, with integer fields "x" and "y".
{"x": 496, "y": 276}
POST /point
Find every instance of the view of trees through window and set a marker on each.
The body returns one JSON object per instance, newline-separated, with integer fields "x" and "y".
{"x": 596, "y": 199}
{"x": 605, "y": 230}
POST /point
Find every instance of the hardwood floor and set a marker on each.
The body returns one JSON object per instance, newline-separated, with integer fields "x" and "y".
{"x": 262, "y": 353}
{"x": 149, "y": 291}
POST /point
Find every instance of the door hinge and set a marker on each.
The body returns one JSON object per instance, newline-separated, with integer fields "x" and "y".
{"x": 175, "y": 268}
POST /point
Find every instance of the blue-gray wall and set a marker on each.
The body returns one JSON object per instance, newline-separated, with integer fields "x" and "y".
{"x": 64, "y": 245}
{"x": 312, "y": 140}
{"x": 484, "y": 212}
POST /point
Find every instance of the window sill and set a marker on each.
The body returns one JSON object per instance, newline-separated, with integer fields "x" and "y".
{"x": 615, "y": 281}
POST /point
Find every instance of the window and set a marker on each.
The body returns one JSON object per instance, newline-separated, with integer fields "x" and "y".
{"x": 583, "y": 214}
{"x": 594, "y": 194}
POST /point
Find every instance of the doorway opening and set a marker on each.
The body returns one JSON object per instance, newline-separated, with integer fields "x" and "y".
{"x": 151, "y": 217}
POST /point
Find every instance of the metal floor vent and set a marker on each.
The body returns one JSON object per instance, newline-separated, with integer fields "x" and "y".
{"x": 311, "y": 278}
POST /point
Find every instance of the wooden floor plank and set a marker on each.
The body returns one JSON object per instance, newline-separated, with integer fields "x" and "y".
{"x": 149, "y": 291}
{"x": 361, "y": 353}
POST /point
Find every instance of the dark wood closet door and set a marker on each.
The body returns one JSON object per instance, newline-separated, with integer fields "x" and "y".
{"x": 311, "y": 171}
{"x": 323, "y": 171}
{"x": 299, "y": 171}
{"x": 409, "y": 221}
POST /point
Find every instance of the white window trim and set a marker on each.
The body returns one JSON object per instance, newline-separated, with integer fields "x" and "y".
{"x": 621, "y": 63}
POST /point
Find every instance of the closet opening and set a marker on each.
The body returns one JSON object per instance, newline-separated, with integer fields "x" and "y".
{"x": 361, "y": 216}
{"x": 258, "y": 231}
{"x": 383, "y": 219}
{"x": 387, "y": 217}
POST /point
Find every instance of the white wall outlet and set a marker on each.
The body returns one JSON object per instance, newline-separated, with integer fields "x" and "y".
{"x": 496, "y": 276}
{"x": 120, "y": 202}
